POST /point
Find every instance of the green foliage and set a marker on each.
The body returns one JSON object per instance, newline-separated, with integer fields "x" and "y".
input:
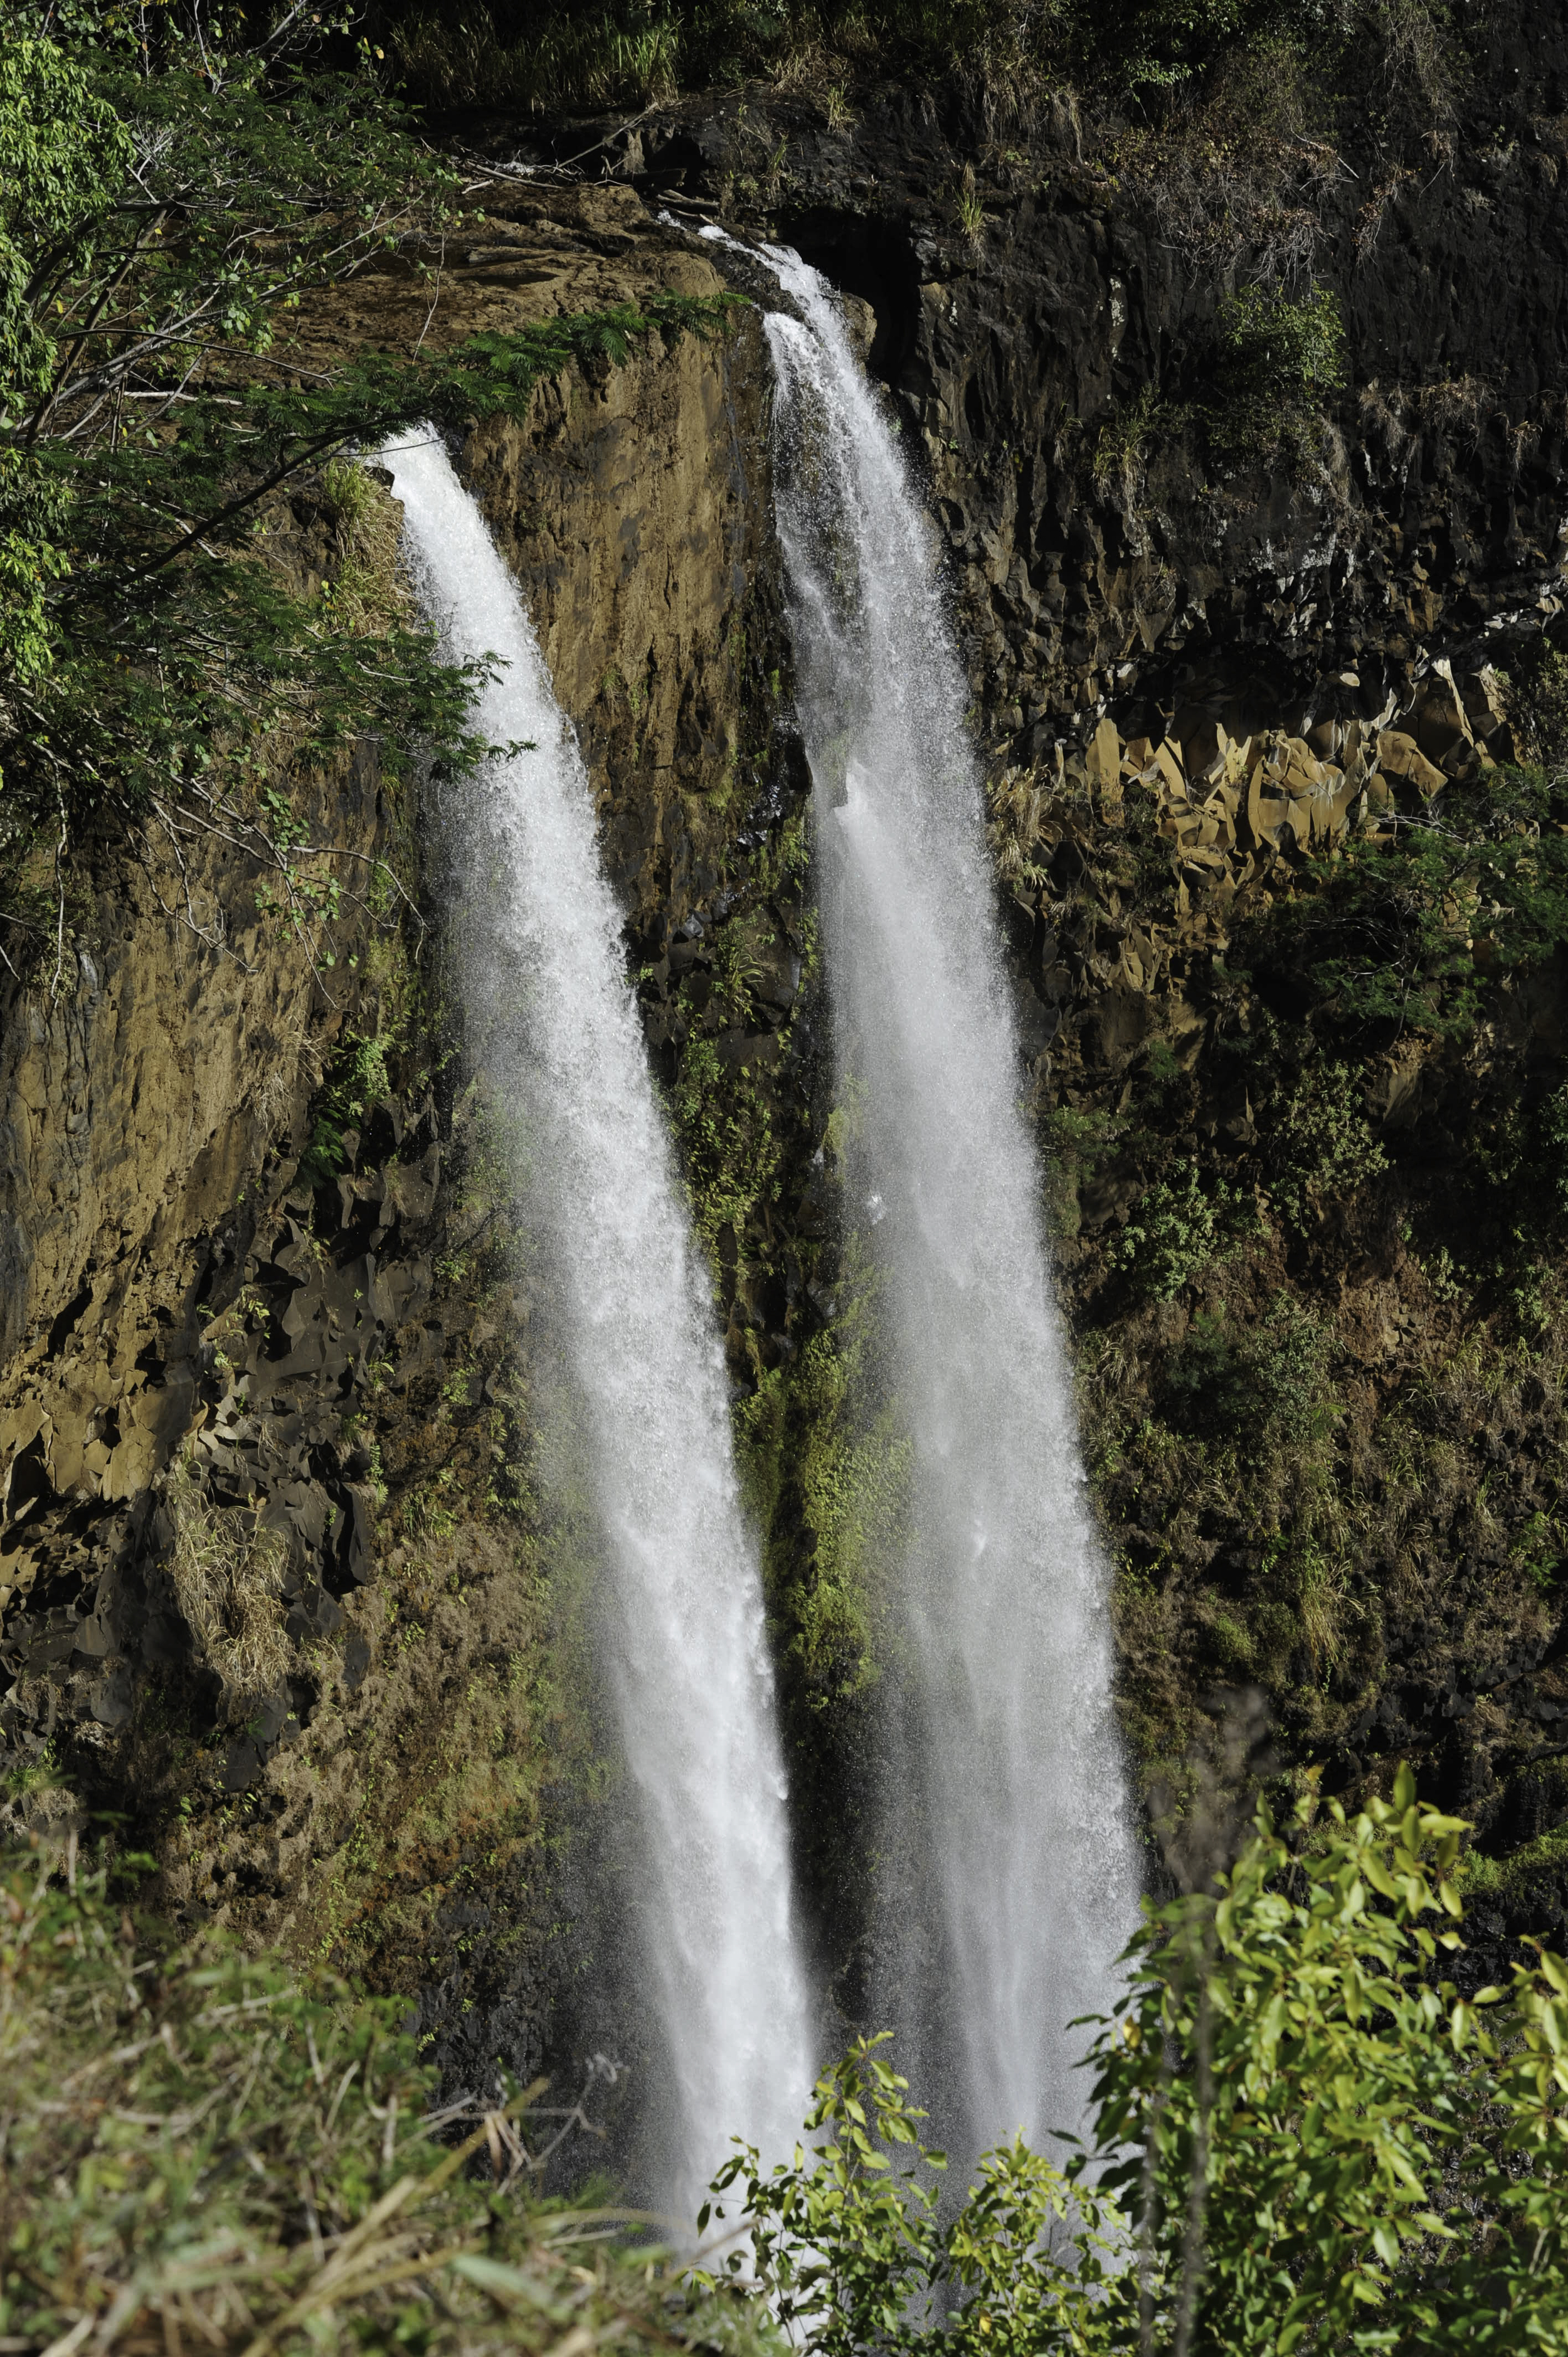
{"x": 1076, "y": 1144}
{"x": 1292, "y": 352}
{"x": 357, "y": 1079}
{"x": 1414, "y": 931}
{"x": 732, "y": 1157}
{"x": 1262, "y": 1384}
{"x": 1306, "y": 2137}
{"x": 1123, "y": 443}
{"x": 1321, "y": 1148}
{"x": 159, "y": 216}
{"x": 63, "y": 155}
{"x": 1289, "y": 1357}
{"x": 629, "y": 52}
{"x": 1518, "y": 1878}
{"x": 167, "y": 205}
{"x": 1176, "y": 1231}
{"x": 1278, "y": 360}
{"x": 853, "y": 1477}
{"x": 198, "y": 2144}
{"x": 1295, "y": 2082}
{"x": 849, "y": 2245}
{"x": 1554, "y": 1137}
{"x": 733, "y": 1118}
{"x": 1155, "y": 45}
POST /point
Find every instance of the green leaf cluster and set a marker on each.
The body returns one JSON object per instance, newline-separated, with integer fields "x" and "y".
{"x": 1307, "y": 2137}
{"x": 1176, "y": 1230}
{"x": 1279, "y": 359}
{"x": 1320, "y": 1146}
{"x": 1414, "y": 930}
{"x": 1265, "y": 1384}
{"x": 851, "y": 2248}
{"x": 166, "y": 205}
{"x": 1323, "y": 2143}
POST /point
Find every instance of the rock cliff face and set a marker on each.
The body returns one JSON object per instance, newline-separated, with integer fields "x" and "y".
{"x": 280, "y": 1578}
{"x": 1046, "y": 287}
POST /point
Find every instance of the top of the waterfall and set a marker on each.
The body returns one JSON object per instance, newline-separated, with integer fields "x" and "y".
{"x": 756, "y": 268}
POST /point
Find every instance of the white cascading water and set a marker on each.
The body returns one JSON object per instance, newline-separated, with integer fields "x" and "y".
{"x": 538, "y": 945}
{"x": 1013, "y": 1751}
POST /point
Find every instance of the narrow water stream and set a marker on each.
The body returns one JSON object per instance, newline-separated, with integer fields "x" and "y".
{"x": 550, "y": 1024}
{"x": 1005, "y": 1788}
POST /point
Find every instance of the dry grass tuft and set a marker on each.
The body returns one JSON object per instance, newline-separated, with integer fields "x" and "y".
{"x": 203, "y": 2152}
{"x": 228, "y": 1582}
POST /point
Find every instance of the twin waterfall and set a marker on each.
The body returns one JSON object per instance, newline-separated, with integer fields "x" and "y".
{"x": 1003, "y": 1797}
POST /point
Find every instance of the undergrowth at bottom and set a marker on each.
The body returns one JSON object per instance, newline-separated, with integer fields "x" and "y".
{"x": 201, "y": 2150}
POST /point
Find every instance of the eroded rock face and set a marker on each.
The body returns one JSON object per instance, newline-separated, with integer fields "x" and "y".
{"x": 142, "y": 1100}
{"x": 1046, "y": 282}
{"x": 637, "y": 512}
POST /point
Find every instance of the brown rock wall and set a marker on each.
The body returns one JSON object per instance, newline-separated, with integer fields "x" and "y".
{"x": 637, "y": 512}
{"x": 139, "y": 1103}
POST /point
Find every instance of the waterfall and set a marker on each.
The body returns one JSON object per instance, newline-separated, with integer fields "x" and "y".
{"x": 550, "y": 1022}
{"x": 1011, "y": 1780}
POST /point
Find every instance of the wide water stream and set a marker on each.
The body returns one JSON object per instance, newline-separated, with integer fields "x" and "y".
{"x": 1005, "y": 1821}
{"x": 554, "y": 1034}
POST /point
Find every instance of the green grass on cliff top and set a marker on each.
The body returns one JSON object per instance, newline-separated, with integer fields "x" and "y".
{"x": 633, "y": 52}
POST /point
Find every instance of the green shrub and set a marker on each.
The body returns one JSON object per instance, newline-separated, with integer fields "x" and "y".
{"x": 1288, "y": 1358}
{"x": 357, "y": 1078}
{"x": 1175, "y": 1232}
{"x": 1263, "y": 1385}
{"x": 1321, "y": 1148}
{"x": 1304, "y": 2137}
{"x": 733, "y": 1155}
{"x": 1412, "y": 931}
{"x": 1293, "y": 351}
{"x": 1278, "y": 360}
{"x": 1077, "y": 1144}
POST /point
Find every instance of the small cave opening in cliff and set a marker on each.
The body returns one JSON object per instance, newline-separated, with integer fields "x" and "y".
{"x": 871, "y": 260}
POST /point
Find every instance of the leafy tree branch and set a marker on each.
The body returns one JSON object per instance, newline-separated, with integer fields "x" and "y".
{"x": 166, "y": 203}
